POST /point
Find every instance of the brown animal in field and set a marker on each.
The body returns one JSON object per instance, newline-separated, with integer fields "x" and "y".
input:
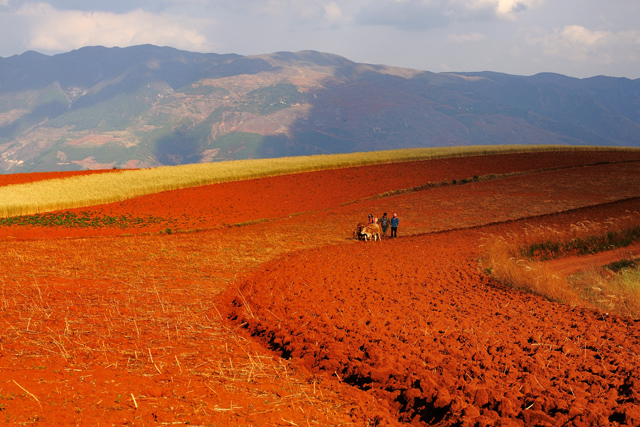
{"x": 371, "y": 230}
{"x": 357, "y": 233}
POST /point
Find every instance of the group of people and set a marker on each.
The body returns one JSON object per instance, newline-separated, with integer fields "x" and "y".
{"x": 385, "y": 222}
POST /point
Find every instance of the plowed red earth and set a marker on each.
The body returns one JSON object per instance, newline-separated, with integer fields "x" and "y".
{"x": 416, "y": 323}
{"x": 117, "y": 326}
{"x": 215, "y": 206}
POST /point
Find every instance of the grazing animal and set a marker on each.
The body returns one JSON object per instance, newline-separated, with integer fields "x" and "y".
{"x": 357, "y": 233}
{"x": 371, "y": 230}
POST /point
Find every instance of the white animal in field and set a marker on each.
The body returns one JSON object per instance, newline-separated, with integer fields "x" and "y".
{"x": 371, "y": 230}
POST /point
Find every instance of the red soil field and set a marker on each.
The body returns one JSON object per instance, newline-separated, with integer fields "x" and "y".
{"x": 417, "y": 324}
{"x": 220, "y": 205}
{"x": 286, "y": 320}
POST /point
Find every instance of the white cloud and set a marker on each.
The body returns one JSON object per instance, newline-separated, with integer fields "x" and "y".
{"x": 55, "y": 30}
{"x": 427, "y": 14}
{"x": 509, "y": 7}
{"x": 333, "y": 13}
{"x": 580, "y": 44}
{"x": 500, "y": 8}
{"x": 580, "y": 36}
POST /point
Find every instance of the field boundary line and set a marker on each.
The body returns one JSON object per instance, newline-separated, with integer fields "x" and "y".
{"x": 514, "y": 220}
{"x": 481, "y": 178}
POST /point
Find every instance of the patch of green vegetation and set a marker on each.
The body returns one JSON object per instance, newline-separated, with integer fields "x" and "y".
{"x": 238, "y": 145}
{"x": 202, "y": 132}
{"x": 624, "y": 264}
{"x": 614, "y": 289}
{"x": 630, "y": 278}
{"x": 106, "y": 153}
{"x": 156, "y": 134}
{"x": 582, "y": 246}
{"x": 82, "y": 220}
{"x": 255, "y": 221}
{"x": 106, "y": 115}
{"x": 475, "y": 178}
{"x": 159, "y": 119}
{"x": 52, "y": 94}
{"x": 271, "y": 99}
{"x": 14, "y": 100}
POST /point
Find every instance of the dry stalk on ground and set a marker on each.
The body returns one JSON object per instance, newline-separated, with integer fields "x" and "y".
{"x": 610, "y": 291}
{"x": 532, "y": 276}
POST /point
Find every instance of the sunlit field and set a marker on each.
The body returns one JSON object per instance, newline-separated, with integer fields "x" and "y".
{"x": 80, "y": 191}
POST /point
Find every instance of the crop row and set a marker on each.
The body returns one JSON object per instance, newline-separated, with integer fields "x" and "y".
{"x": 83, "y": 220}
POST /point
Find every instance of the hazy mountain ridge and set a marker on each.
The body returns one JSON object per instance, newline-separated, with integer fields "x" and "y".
{"x": 146, "y": 105}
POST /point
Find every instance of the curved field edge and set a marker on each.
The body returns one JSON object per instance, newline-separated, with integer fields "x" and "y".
{"x": 443, "y": 346}
{"x": 89, "y": 190}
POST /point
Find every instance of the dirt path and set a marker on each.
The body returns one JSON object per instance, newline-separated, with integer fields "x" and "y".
{"x": 574, "y": 264}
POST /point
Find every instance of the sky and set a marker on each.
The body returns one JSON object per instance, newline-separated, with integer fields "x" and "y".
{"x": 579, "y": 38}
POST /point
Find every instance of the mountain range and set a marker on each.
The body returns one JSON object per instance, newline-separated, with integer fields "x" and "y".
{"x": 146, "y": 106}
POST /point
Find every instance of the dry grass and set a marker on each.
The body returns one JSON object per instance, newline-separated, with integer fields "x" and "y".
{"x": 510, "y": 259}
{"x": 610, "y": 291}
{"x": 503, "y": 260}
{"x": 80, "y": 191}
{"x": 585, "y": 237}
{"x": 130, "y": 317}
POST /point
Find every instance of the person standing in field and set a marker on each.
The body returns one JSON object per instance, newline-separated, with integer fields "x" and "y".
{"x": 394, "y": 225}
{"x": 370, "y": 219}
{"x": 384, "y": 224}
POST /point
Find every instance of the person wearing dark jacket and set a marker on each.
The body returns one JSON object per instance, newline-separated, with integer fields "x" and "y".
{"x": 384, "y": 224}
{"x": 394, "y": 225}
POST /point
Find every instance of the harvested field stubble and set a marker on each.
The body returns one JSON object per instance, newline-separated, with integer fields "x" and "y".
{"x": 115, "y": 326}
{"x": 127, "y": 333}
